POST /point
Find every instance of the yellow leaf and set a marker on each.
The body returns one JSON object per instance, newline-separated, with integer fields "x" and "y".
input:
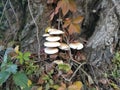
{"x": 46, "y": 30}
{"x": 75, "y": 86}
{"x": 29, "y": 83}
{"x": 16, "y": 49}
{"x": 78, "y": 84}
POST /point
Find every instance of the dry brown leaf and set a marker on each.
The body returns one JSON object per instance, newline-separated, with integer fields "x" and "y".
{"x": 74, "y": 28}
{"x": 62, "y": 87}
{"x": 67, "y": 23}
{"x": 78, "y": 19}
{"x": 72, "y": 6}
{"x": 64, "y": 5}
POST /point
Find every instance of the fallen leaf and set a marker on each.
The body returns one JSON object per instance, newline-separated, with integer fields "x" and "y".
{"x": 16, "y": 49}
{"x": 76, "y": 86}
{"x": 90, "y": 80}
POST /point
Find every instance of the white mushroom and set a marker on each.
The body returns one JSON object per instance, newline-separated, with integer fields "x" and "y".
{"x": 56, "y": 32}
{"x": 51, "y": 50}
{"x": 58, "y": 62}
{"x": 46, "y": 35}
{"x": 51, "y": 29}
{"x": 53, "y": 38}
{"x": 64, "y": 46}
{"x": 76, "y": 45}
{"x": 80, "y": 46}
{"x": 52, "y": 44}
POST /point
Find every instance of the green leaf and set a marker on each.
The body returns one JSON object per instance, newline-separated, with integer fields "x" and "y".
{"x": 64, "y": 67}
{"x": 20, "y": 79}
{"x": 12, "y": 68}
{"x": 26, "y": 56}
{"x": 4, "y": 76}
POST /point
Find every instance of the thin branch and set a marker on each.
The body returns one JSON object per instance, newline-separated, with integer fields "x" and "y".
{"x": 37, "y": 29}
{"x": 76, "y": 70}
{"x": 13, "y": 10}
{"x": 3, "y": 11}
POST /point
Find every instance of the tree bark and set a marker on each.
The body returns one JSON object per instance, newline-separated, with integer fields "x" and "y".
{"x": 105, "y": 37}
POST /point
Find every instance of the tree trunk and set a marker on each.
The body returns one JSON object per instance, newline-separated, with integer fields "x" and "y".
{"x": 104, "y": 40}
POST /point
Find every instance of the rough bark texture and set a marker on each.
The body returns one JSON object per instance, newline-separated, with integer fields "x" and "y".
{"x": 105, "y": 37}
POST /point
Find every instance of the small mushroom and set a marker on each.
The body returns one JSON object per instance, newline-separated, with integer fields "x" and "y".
{"x": 52, "y": 44}
{"x": 51, "y": 29}
{"x": 80, "y": 46}
{"x": 64, "y": 46}
{"x": 46, "y": 35}
{"x": 51, "y": 50}
{"x": 76, "y": 45}
{"x": 53, "y": 38}
{"x": 56, "y": 32}
{"x": 58, "y": 62}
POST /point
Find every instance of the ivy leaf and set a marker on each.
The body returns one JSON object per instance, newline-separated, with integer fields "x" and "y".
{"x": 67, "y": 23}
{"x": 4, "y": 76}
{"x": 72, "y": 6}
{"x": 64, "y": 5}
{"x": 78, "y": 19}
{"x": 73, "y": 24}
{"x": 74, "y": 28}
{"x": 21, "y": 79}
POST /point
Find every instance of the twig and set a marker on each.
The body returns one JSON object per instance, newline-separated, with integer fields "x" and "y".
{"x": 79, "y": 67}
{"x": 3, "y": 11}
{"x": 76, "y": 70}
{"x": 37, "y": 29}
{"x": 13, "y": 10}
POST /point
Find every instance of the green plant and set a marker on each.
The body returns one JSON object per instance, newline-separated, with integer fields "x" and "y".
{"x": 10, "y": 70}
{"x": 116, "y": 62}
{"x": 22, "y": 57}
{"x": 48, "y": 80}
{"x": 64, "y": 67}
{"x": 30, "y": 68}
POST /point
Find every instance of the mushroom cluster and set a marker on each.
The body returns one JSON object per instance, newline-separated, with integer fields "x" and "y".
{"x": 52, "y": 44}
{"x": 52, "y": 41}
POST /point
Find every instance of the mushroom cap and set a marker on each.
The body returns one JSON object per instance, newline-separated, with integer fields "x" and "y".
{"x": 53, "y": 38}
{"x": 51, "y": 50}
{"x": 76, "y": 45}
{"x": 80, "y": 46}
{"x": 46, "y": 35}
{"x": 64, "y": 46}
{"x": 52, "y": 44}
{"x": 58, "y": 62}
{"x": 51, "y": 29}
{"x": 56, "y": 32}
